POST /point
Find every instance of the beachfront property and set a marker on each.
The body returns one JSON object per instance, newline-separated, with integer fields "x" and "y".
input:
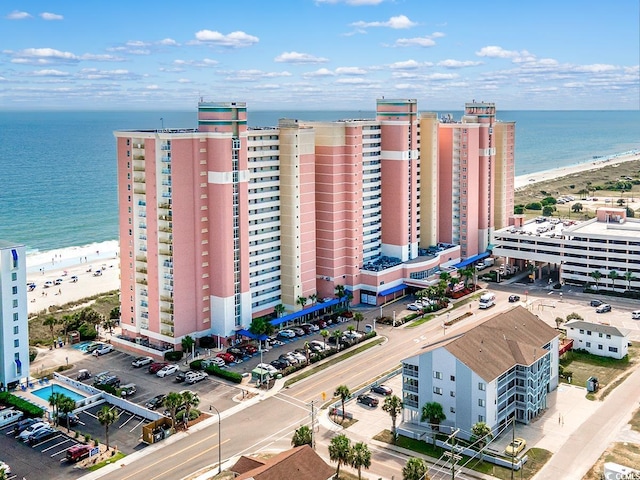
{"x": 598, "y": 339}
{"x": 223, "y": 223}
{"x": 502, "y": 369}
{"x": 14, "y": 325}
{"x": 574, "y": 250}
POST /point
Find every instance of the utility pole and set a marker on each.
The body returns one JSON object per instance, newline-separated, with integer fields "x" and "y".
{"x": 313, "y": 424}
{"x": 513, "y": 440}
{"x": 452, "y": 454}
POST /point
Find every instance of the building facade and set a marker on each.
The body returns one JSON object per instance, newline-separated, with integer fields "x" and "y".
{"x": 14, "y": 331}
{"x": 503, "y": 369}
{"x": 222, "y": 223}
{"x": 598, "y": 339}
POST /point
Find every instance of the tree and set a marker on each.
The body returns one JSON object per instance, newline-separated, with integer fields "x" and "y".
{"x": 279, "y": 310}
{"x": 349, "y": 296}
{"x": 577, "y": 207}
{"x": 339, "y": 449}
{"x": 433, "y": 412}
{"x": 114, "y": 314}
{"x": 258, "y": 326}
{"x": 54, "y": 402}
{"x": 574, "y": 316}
{"x": 314, "y": 298}
{"x": 302, "y": 301}
{"x": 337, "y": 334}
{"x": 559, "y": 321}
{"x": 324, "y": 333}
{"x": 187, "y": 343}
{"x": 340, "y": 291}
{"x": 415, "y": 469}
{"x": 467, "y": 273}
{"x": 480, "y": 433}
{"x": 66, "y": 406}
{"x": 446, "y": 276}
{"x": 302, "y": 436}
{"x": 393, "y": 406}
{"x": 190, "y": 400}
{"x": 358, "y": 317}
{"x": 596, "y": 275}
{"x": 343, "y": 392}
{"x": 172, "y": 401}
{"x": 628, "y": 276}
{"x": 613, "y": 275}
{"x": 51, "y": 322}
{"x": 107, "y": 417}
{"x": 359, "y": 457}
{"x": 351, "y": 329}
{"x": 547, "y": 211}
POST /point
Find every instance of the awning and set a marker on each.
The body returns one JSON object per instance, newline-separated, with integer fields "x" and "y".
{"x": 14, "y": 252}
{"x": 247, "y": 333}
{"x": 391, "y": 290}
{"x": 295, "y": 315}
{"x": 471, "y": 260}
{"x": 18, "y": 363}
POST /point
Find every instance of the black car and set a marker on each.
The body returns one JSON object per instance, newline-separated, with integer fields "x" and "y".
{"x": 236, "y": 352}
{"x": 514, "y": 298}
{"x": 180, "y": 376}
{"x": 155, "y": 402}
{"x": 595, "y": 303}
{"x": 279, "y": 364}
{"x": 73, "y": 419}
{"x": 23, "y": 424}
{"x": 368, "y": 400}
{"x": 381, "y": 390}
{"x": 42, "y": 435}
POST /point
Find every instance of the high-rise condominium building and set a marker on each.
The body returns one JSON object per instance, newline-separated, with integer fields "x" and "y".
{"x": 221, "y": 223}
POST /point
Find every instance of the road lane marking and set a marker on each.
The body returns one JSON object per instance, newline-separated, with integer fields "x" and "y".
{"x": 191, "y": 457}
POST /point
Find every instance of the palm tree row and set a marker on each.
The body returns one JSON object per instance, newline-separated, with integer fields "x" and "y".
{"x": 613, "y": 276}
{"x": 357, "y": 456}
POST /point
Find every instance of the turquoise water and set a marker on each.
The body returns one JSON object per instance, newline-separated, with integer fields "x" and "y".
{"x": 59, "y": 168}
{"x": 45, "y": 393}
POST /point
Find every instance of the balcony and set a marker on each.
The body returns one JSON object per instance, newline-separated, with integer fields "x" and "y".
{"x": 166, "y": 240}
{"x": 164, "y": 205}
{"x": 138, "y": 168}
{"x": 141, "y": 270}
{"x": 141, "y": 258}
{"x": 166, "y": 298}
{"x": 140, "y": 191}
{"x": 139, "y": 180}
{"x": 138, "y": 157}
{"x": 166, "y": 252}
{"x": 166, "y": 159}
{"x": 167, "y": 310}
{"x": 141, "y": 281}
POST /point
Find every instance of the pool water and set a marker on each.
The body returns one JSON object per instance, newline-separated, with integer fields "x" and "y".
{"x": 45, "y": 392}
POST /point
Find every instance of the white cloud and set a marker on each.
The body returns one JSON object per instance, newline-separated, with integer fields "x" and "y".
{"x": 100, "y": 57}
{"x": 95, "y": 74}
{"x": 51, "y": 16}
{"x": 17, "y": 15}
{"x": 397, "y": 22}
{"x": 41, "y": 56}
{"x": 168, "y": 41}
{"x": 321, "y": 72}
{"x": 204, "y": 63}
{"x": 493, "y": 51}
{"x": 152, "y": 87}
{"x": 596, "y": 68}
{"x": 296, "y": 57}
{"x": 406, "y": 65}
{"x": 437, "y": 35}
{"x": 355, "y": 3}
{"x": 449, "y": 63}
{"x": 50, "y": 73}
{"x": 353, "y": 81}
{"x": 415, "y": 42}
{"x": 252, "y": 75}
{"x": 136, "y": 43}
{"x": 184, "y": 80}
{"x": 234, "y": 39}
{"x": 350, "y": 71}
{"x": 441, "y": 76}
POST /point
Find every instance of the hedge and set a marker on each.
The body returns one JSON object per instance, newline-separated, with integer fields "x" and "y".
{"x": 173, "y": 356}
{"x": 226, "y": 374}
{"x": 29, "y": 409}
{"x": 196, "y": 365}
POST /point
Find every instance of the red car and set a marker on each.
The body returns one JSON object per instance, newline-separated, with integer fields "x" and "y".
{"x": 157, "y": 366}
{"x": 248, "y": 349}
{"x": 227, "y": 357}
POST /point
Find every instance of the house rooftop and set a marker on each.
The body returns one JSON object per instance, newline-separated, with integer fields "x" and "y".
{"x": 299, "y": 462}
{"x": 598, "y": 328}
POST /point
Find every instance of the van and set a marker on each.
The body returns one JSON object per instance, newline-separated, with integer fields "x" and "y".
{"x": 9, "y": 415}
{"x": 78, "y": 452}
{"x": 487, "y": 300}
{"x": 635, "y": 315}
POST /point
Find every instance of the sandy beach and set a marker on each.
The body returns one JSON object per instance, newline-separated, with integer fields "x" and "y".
{"x": 531, "y": 178}
{"x": 82, "y": 262}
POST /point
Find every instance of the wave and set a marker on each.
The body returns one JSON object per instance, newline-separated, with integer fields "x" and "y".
{"x": 71, "y": 256}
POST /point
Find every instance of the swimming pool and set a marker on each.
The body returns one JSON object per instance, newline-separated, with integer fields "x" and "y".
{"x": 45, "y": 393}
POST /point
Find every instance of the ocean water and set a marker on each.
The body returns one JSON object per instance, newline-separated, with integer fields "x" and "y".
{"x": 59, "y": 171}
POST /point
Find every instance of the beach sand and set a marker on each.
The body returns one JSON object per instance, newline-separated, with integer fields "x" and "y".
{"x": 532, "y": 178}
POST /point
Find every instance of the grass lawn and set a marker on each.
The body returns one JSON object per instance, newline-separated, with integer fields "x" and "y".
{"x": 537, "y": 457}
{"x": 113, "y": 459}
{"x": 627, "y": 454}
{"x": 606, "y": 370}
{"x": 635, "y": 421}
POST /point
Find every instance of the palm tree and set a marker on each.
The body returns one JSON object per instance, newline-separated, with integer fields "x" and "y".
{"x": 628, "y": 276}
{"x": 51, "y": 322}
{"x": 302, "y": 436}
{"x": 314, "y": 298}
{"x": 360, "y": 456}
{"x": 433, "y": 412}
{"x": 66, "y": 406}
{"x": 351, "y": 329}
{"x": 190, "y": 400}
{"x": 324, "y": 333}
{"x": 187, "y": 344}
{"x": 339, "y": 449}
{"x": 54, "y": 402}
{"x": 340, "y": 291}
{"x": 559, "y": 321}
{"x": 337, "y": 334}
{"x": 172, "y": 401}
{"x": 358, "y": 317}
{"x": 343, "y": 392}
{"x": 415, "y": 469}
{"x": 279, "y": 310}
{"x": 107, "y": 417}
{"x": 446, "y": 276}
{"x": 596, "y": 275}
{"x": 613, "y": 275}
{"x": 480, "y": 433}
{"x": 302, "y": 301}
{"x": 393, "y": 406}
{"x": 349, "y": 296}
{"x": 468, "y": 274}
{"x": 258, "y": 326}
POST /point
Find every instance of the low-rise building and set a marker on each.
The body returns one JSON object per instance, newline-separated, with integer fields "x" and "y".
{"x": 299, "y": 462}
{"x": 599, "y": 339}
{"x": 501, "y": 369}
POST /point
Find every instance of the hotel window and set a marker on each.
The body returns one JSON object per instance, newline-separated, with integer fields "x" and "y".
{"x": 14, "y": 290}
{"x": 480, "y": 418}
{"x": 15, "y": 317}
{"x": 482, "y": 386}
{"x": 452, "y": 393}
{"x": 128, "y": 153}
{"x": 600, "y": 335}
{"x": 437, "y": 375}
{"x": 15, "y": 303}
{"x": 599, "y": 347}
{"x": 16, "y": 343}
{"x": 608, "y": 337}
{"x": 613, "y": 349}
{"x": 452, "y": 378}
{"x": 452, "y": 409}
{"x": 588, "y": 332}
{"x": 14, "y": 276}
{"x": 588, "y": 344}
{"x": 481, "y": 402}
{"x": 437, "y": 390}
{"x": 16, "y": 330}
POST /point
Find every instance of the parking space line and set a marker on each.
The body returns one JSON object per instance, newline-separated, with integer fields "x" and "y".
{"x": 90, "y": 414}
{"x": 139, "y": 423}
{"x": 57, "y": 444}
{"x": 128, "y": 420}
{"x": 61, "y": 451}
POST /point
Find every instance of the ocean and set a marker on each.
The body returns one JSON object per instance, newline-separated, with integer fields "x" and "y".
{"x": 59, "y": 171}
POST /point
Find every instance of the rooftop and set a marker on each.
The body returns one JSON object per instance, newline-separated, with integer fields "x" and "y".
{"x": 598, "y": 328}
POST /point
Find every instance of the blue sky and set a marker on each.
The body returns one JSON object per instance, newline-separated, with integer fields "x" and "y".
{"x": 319, "y": 54}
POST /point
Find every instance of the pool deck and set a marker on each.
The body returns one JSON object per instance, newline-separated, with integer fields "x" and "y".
{"x": 29, "y": 396}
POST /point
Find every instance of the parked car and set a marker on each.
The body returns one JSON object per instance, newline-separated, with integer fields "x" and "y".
{"x": 287, "y": 333}
{"x": 382, "y": 390}
{"x": 352, "y": 335}
{"x": 141, "y": 362}
{"x": 320, "y": 323}
{"x": 83, "y": 374}
{"x": 156, "y": 366}
{"x": 301, "y": 357}
{"x": 30, "y": 430}
{"x": 92, "y": 347}
{"x": 268, "y": 367}
{"x": 78, "y": 452}
{"x": 73, "y": 419}
{"x": 22, "y": 424}
{"x": 248, "y": 349}
{"x": 604, "y": 308}
{"x": 595, "y": 303}
{"x": 236, "y": 352}
{"x": 227, "y": 357}
{"x": 167, "y": 370}
{"x": 103, "y": 350}
{"x": 288, "y": 357}
{"x": 155, "y": 402}
{"x": 107, "y": 380}
{"x": 180, "y": 376}
{"x": 515, "y": 447}
{"x": 48, "y": 284}
{"x": 218, "y": 362}
{"x": 312, "y": 326}
{"x": 299, "y": 332}
{"x": 9, "y": 415}
{"x": 279, "y": 364}
{"x": 42, "y": 435}
{"x": 368, "y": 400}
{"x": 128, "y": 390}
{"x": 514, "y": 298}
{"x": 195, "y": 377}
{"x": 414, "y": 307}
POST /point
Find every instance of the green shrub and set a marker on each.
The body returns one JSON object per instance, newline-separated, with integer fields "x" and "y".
{"x": 196, "y": 365}
{"x": 107, "y": 388}
{"x": 226, "y": 374}
{"x": 534, "y": 206}
{"x": 173, "y": 356}
{"x": 18, "y": 403}
{"x": 193, "y": 414}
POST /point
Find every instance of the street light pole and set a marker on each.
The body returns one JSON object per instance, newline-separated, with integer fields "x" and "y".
{"x": 219, "y": 440}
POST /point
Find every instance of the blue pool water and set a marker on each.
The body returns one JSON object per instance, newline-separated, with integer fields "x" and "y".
{"x": 45, "y": 392}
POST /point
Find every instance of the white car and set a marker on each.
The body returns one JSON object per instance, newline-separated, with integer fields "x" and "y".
{"x": 167, "y": 370}
{"x": 27, "y": 432}
{"x": 142, "y": 361}
{"x": 103, "y": 349}
{"x": 287, "y": 333}
{"x": 299, "y": 356}
{"x": 218, "y": 362}
{"x": 6, "y": 469}
{"x": 414, "y": 307}
{"x": 268, "y": 367}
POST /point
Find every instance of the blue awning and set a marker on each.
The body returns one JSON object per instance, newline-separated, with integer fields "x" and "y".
{"x": 18, "y": 363}
{"x": 471, "y": 260}
{"x": 14, "y": 252}
{"x": 247, "y": 333}
{"x": 295, "y": 315}
{"x": 391, "y": 290}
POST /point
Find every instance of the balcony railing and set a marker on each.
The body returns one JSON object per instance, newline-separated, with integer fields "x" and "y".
{"x": 141, "y": 258}
{"x": 165, "y": 298}
{"x": 141, "y": 281}
{"x": 140, "y": 191}
{"x": 141, "y": 270}
{"x": 166, "y": 229}
{"x": 166, "y": 252}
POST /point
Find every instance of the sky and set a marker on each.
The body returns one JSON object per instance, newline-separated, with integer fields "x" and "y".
{"x": 319, "y": 54}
